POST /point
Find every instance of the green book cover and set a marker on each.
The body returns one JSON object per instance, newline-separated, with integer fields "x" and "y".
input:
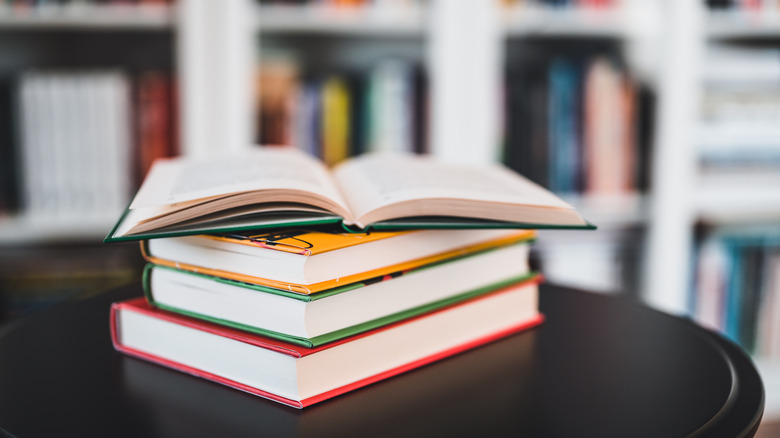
{"x": 332, "y": 336}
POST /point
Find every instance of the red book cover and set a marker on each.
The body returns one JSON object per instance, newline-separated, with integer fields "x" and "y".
{"x": 140, "y": 306}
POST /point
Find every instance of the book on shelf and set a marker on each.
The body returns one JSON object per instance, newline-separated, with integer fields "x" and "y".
{"x": 282, "y": 187}
{"x": 299, "y": 376}
{"x": 572, "y": 124}
{"x": 338, "y": 115}
{"x": 75, "y": 143}
{"x": 736, "y": 289}
{"x": 154, "y": 97}
{"x": 306, "y": 262}
{"x": 740, "y": 104}
{"x": 344, "y": 310}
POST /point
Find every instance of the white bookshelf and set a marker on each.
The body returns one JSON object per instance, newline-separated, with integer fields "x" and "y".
{"x": 408, "y": 21}
{"x": 730, "y": 25}
{"x": 528, "y": 21}
{"x": 669, "y": 211}
{"x": 88, "y": 18}
{"x": 689, "y": 196}
{"x": 612, "y": 211}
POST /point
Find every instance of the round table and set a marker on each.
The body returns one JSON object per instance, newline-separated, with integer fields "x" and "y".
{"x": 600, "y": 366}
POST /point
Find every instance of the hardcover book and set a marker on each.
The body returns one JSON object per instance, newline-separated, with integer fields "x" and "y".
{"x": 278, "y": 187}
{"x": 316, "y": 319}
{"x": 305, "y": 261}
{"x": 299, "y": 376}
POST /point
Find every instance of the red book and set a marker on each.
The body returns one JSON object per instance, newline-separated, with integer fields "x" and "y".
{"x": 299, "y": 376}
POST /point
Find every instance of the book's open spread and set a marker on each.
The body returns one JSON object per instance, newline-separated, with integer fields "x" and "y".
{"x": 382, "y": 187}
{"x": 272, "y": 183}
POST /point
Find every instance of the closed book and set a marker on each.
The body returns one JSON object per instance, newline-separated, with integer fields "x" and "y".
{"x": 299, "y": 376}
{"x": 306, "y": 262}
{"x": 316, "y": 319}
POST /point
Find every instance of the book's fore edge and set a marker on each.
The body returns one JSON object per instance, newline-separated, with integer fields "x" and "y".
{"x": 327, "y": 285}
{"x": 466, "y": 346}
{"x": 342, "y": 334}
{"x": 300, "y": 223}
{"x": 178, "y": 366}
{"x": 518, "y": 281}
{"x": 336, "y": 290}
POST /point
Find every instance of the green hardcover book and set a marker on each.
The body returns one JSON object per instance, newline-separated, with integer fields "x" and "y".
{"x": 271, "y": 188}
{"x": 319, "y": 318}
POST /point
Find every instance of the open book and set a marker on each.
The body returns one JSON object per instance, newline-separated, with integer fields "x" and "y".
{"x": 282, "y": 187}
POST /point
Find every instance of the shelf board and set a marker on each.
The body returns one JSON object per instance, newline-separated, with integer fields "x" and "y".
{"x": 734, "y": 25}
{"x": 611, "y": 210}
{"x": 19, "y": 230}
{"x": 92, "y": 18}
{"x": 739, "y": 200}
{"x": 567, "y": 22}
{"x": 363, "y": 21}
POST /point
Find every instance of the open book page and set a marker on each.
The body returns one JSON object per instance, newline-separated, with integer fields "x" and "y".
{"x": 176, "y": 183}
{"x": 378, "y": 182}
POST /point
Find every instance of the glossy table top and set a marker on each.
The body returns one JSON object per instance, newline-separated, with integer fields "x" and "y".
{"x": 599, "y": 366}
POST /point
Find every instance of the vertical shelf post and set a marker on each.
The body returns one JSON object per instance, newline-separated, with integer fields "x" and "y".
{"x": 668, "y": 258}
{"x": 465, "y": 56}
{"x": 215, "y": 49}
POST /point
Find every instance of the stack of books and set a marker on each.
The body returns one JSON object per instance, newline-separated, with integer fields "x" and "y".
{"x": 262, "y": 288}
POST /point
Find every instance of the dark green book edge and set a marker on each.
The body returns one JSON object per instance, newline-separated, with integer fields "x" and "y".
{"x": 299, "y": 221}
{"x": 339, "y": 334}
{"x": 454, "y": 223}
{"x": 308, "y": 220}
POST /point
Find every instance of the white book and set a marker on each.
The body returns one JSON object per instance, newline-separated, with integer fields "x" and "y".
{"x": 337, "y": 313}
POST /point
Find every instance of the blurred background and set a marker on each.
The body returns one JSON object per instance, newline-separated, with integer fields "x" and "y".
{"x": 659, "y": 120}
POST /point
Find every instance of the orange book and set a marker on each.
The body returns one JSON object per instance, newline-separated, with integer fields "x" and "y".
{"x": 306, "y": 262}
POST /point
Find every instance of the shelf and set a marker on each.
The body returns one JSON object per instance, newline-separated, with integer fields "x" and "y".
{"x": 547, "y": 22}
{"x": 739, "y": 200}
{"x": 734, "y": 25}
{"x": 364, "y": 21}
{"x": 91, "y": 18}
{"x": 411, "y": 22}
{"x": 607, "y": 211}
{"x": 22, "y": 231}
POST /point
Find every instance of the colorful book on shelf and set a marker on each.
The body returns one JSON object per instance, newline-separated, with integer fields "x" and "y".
{"x": 336, "y": 102}
{"x": 319, "y": 318}
{"x": 305, "y": 262}
{"x": 299, "y": 376}
{"x": 277, "y": 187}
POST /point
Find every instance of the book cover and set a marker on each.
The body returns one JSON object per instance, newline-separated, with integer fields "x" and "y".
{"x": 468, "y": 293}
{"x": 309, "y": 243}
{"x": 442, "y": 337}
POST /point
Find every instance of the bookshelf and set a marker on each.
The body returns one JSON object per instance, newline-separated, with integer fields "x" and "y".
{"x": 356, "y": 22}
{"x": 695, "y": 200}
{"x": 84, "y": 17}
{"x": 660, "y": 46}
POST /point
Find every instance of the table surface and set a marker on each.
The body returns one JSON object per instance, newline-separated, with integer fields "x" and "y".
{"x": 599, "y": 366}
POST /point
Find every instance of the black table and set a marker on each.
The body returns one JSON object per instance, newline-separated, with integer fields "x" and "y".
{"x": 599, "y": 366}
